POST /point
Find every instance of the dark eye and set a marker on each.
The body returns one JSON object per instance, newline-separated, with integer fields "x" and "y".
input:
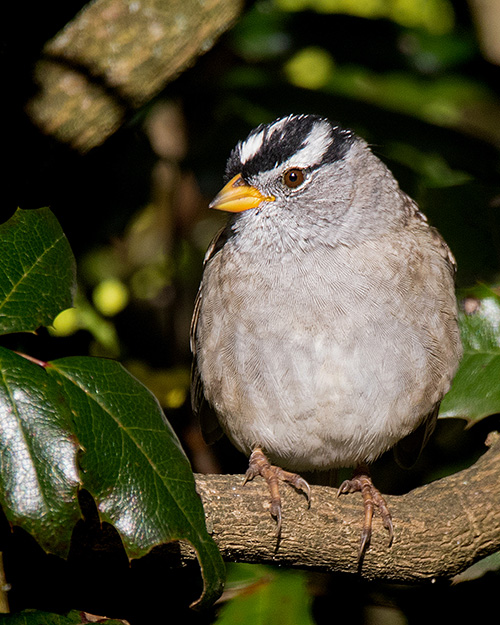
{"x": 293, "y": 178}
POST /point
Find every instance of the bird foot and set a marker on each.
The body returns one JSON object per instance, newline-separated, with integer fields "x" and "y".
{"x": 260, "y": 465}
{"x": 361, "y": 482}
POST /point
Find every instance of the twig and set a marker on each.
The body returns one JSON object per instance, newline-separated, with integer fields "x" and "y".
{"x": 4, "y": 588}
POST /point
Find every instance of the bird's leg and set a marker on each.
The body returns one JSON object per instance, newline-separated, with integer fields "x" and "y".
{"x": 362, "y": 482}
{"x": 260, "y": 465}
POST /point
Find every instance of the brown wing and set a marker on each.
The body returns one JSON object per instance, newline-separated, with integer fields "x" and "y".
{"x": 407, "y": 451}
{"x": 210, "y": 427}
{"x": 445, "y": 251}
{"x": 413, "y": 213}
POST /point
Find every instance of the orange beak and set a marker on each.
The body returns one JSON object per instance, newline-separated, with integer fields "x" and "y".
{"x": 237, "y": 196}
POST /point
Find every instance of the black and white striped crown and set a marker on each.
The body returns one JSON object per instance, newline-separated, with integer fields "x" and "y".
{"x": 303, "y": 140}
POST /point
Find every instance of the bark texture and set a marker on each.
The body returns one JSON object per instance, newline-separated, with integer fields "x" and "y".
{"x": 116, "y": 55}
{"x": 440, "y": 529}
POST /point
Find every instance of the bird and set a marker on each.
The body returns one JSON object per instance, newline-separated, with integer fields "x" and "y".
{"x": 325, "y": 330}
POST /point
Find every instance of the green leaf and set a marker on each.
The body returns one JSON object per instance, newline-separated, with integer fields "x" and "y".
{"x": 37, "y": 273}
{"x": 475, "y": 392}
{"x": 477, "y": 570}
{"x": 134, "y": 465}
{"x": 262, "y": 595}
{"x": 38, "y": 454}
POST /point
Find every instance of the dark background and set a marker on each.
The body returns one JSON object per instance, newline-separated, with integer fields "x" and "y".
{"x": 427, "y": 100}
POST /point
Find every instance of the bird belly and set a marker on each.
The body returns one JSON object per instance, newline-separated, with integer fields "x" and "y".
{"x": 309, "y": 400}
{"x": 323, "y": 373}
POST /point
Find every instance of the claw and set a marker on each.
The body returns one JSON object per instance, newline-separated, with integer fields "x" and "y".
{"x": 372, "y": 498}
{"x": 260, "y": 465}
{"x": 303, "y": 486}
{"x": 275, "y": 510}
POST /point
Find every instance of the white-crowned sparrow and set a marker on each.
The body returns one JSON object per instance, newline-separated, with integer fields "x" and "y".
{"x": 325, "y": 329}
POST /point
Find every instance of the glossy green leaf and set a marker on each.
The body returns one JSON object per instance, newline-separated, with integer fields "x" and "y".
{"x": 475, "y": 392}
{"x": 133, "y": 464}
{"x": 37, "y": 272}
{"x": 38, "y": 454}
{"x": 261, "y": 595}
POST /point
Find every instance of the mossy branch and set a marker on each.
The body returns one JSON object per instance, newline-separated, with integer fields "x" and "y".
{"x": 114, "y": 57}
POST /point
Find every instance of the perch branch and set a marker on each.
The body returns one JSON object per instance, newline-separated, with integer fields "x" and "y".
{"x": 440, "y": 528}
{"x": 115, "y": 56}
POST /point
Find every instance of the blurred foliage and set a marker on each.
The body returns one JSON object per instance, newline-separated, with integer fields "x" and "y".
{"x": 36, "y": 617}
{"x": 435, "y": 16}
{"x": 410, "y": 76}
{"x": 258, "y": 595}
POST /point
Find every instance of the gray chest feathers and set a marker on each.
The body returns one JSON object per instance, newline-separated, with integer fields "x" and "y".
{"x": 326, "y": 357}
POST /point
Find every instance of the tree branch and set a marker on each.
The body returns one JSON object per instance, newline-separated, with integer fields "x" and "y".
{"x": 116, "y": 55}
{"x": 440, "y": 529}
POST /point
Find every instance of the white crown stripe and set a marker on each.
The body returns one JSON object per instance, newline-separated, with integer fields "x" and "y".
{"x": 250, "y": 147}
{"x": 313, "y": 150}
{"x": 315, "y": 146}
